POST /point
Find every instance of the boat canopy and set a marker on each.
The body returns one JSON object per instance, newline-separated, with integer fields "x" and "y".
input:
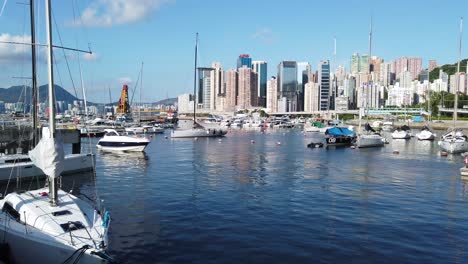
{"x": 339, "y": 131}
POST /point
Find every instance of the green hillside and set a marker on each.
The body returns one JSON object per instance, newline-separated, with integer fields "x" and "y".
{"x": 450, "y": 69}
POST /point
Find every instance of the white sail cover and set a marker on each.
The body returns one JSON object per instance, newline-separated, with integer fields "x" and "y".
{"x": 48, "y": 155}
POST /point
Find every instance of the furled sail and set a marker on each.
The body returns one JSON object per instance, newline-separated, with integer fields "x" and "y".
{"x": 48, "y": 155}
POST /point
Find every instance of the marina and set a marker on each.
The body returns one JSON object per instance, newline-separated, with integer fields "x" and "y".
{"x": 231, "y": 201}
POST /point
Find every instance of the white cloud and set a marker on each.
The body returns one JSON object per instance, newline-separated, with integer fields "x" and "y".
{"x": 105, "y": 13}
{"x": 90, "y": 56}
{"x": 264, "y": 35}
{"x": 124, "y": 80}
{"x": 14, "y": 52}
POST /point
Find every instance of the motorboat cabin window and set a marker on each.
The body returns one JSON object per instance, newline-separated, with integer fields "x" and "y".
{"x": 72, "y": 226}
{"x": 111, "y": 133}
{"x": 8, "y": 208}
{"x": 60, "y": 213}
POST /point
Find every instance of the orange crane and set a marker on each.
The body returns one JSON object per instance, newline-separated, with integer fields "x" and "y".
{"x": 123, "y": 107}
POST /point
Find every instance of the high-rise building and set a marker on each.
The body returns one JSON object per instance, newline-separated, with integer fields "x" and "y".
{"x": 324, "y": 82}
{"x": 364, "y": 63}
{"x": 247, "y": 87}
{"x": 217, "y": 86}
{"x": 303, "y": 72}
{"x": 260, "y": 67}
{"x": 244, "y": 60}
{"x": 272, "y": 95}
{"x": 287, "y": 84}
{"x": 413, "y": 65}
{"x": 432, "y": 65}
{"x": 204, "y": 88}
{"x": 311, "y": 97}
{"x": 386, "y": 75}
{"x": 355, "y": 60}
{"x": 231, "y": 89}
{"x": 376, "y": 63}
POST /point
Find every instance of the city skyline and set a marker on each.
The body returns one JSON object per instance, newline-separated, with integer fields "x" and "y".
{"x": 161, "y": 34}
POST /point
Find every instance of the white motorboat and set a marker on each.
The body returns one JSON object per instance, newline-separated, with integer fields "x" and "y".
{"x": 310, "y": 128}
{"x": 401, "y": 134}
{"x": 49, "y": 225}
{"x": 113, "y": 141}
{"x": 426, "y": 134}
{"x": 21, "y": 165}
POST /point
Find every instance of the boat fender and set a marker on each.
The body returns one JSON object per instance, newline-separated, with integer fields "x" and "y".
{"x": 208, "y": 131}
{"x": 105, "y": 221}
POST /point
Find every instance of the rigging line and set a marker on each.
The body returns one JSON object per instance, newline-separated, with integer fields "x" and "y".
{"x": 136, "y": 85}
{"x": 3, "y": 7}
{"x": 64, "y": 54}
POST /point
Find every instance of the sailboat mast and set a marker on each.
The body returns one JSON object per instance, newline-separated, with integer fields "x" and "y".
{"x": 34, "y": 79}
{"x": 53, "y": 182}
{"x": 195, "y": 82}
{"x": 455, "y": 105}
{"x": 141, "y": 86}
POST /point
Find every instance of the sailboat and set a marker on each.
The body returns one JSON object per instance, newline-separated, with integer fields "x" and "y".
{"x": 371, "y": 138}
{"x": 426, "y": 132}
{"x": 49, "y": 225}
{"x": 454, "y": 141}
{"x": 20, "y": 165}
{"x": 197, "y": 130}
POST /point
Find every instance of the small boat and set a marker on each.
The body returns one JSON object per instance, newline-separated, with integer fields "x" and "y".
{"x": 114, "y": 141}
{"x": 371, "y": 139}
{"x": 314, "y": 127}
{"x": 339, "y": 136}
{"x": 426, "y": 134}
{"x": 315, "y": 145}
{"x": 20, "y": 165}
{"x": 387, "y": 126}
{"x": 454, "y": 142}
{"x": 145, "y": 129}
{"x": 402, "y": 132}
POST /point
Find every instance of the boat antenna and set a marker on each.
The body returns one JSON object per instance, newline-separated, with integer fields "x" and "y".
{"x": 455, "y": 105}
{"x": 195, "y": 81}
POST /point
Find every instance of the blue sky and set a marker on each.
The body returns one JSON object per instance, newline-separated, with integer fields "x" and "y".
{"x": 124, "y": 33}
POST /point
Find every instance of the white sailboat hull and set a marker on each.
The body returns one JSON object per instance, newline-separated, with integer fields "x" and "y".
{"x": 453, "y": 146}
{"x": 73, "y": 163}
{"x": 368, "y": 141}
{"x": 33, "y": 248}
{"x": 197, "y": 132}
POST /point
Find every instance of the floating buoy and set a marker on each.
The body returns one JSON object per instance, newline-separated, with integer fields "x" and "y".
{"x": 195, "y": 138}
{"x": 278, "y": 143}
{"x": 443, "y": 154}
{"x": 252, "y": 141}
{"x": 396, "y": 152}
{"x": 353, "y": 147}
{"x": 166, "y": 137}
{"x": 220, "y": 140}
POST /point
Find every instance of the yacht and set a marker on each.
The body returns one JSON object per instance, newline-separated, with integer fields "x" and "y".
{"x": 128, "y": 141}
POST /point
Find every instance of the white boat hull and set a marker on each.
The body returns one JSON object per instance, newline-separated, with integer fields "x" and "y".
{"x": 139, "y": 148}
{"x": 24, "y": 249}
{"x": 401, "y": 135}
{"x": 368, "y": 141}
{"x": 197, "y": 132}
{"x": 73, "y": 163}
{"x": 425, "y": 135}
{"x": 311, "y": 129}
{"x": 453, "y": 146}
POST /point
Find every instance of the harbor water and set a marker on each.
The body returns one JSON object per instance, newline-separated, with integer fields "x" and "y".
{"x": 264, "y": 197}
